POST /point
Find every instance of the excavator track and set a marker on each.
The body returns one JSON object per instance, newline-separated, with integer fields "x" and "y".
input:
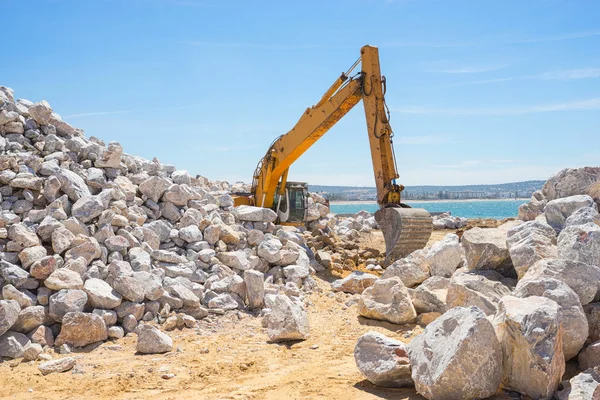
{"x": 404, "y": 230}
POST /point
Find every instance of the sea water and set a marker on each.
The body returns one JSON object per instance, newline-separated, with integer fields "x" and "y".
{"x": 496, "y": 209}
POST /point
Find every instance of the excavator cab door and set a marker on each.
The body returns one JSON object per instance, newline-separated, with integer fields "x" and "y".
{"x": 292, "y": 206}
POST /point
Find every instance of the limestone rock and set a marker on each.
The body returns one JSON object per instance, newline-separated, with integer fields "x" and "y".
{"x": 583, "y": 386}
{"x": 61, "y": 365}
{"x": 382, "y": 360}
{"x": 255, "y": 288}
{"x": 571, "y": 182}
{"x": 582, "y": 216}
{"x": 457, "y": 357}
{"x": 269, "y": 250}
{"x": 9, "y": 312}
{"x": 388, "y": 300}
{"x": 64, "y": 278}
{"x": 580, "y": 243}
{"x": 475, "y": 290}
{"x": 154, "y": 187}
{"x": 287, "y": 320}
{"x": 531, "y": 337}
{"x": 530, "y": 242}
{"x": 355, "y": 283}
{"x": 101, "y": 295}
{"x": 589, "y": 357}
{"x": 584, "y": 279}
{"x": 29, "y": 319}
{"x": 557, "y": 211}
{"x": 235, "y": 259}
{"x": 153, "y": 341}
{"x": 72, "y": 184}
{"x": 255, "y": 214}
{"x": 571, "y": 314}
{"x": 80, "y": 329}
{"x": 65, "y": 301}
{"x": 12, "y": 344}
{"x": 412, "y": 269}
{"x": 445, "y": 256}
{"x": 485, "y": 248}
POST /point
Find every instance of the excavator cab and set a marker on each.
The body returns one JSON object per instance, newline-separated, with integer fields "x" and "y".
{"x": 292, "y": 206}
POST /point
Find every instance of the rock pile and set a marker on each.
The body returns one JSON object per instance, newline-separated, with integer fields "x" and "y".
{"x": 505, "y": 308}
{"x": 95, "y": 243}
{"x": 447, "y": 221}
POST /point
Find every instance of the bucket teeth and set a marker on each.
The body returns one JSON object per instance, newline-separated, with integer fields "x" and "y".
{"x": 404, "y": 230}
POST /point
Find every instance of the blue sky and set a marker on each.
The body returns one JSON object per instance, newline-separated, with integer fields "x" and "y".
{"x": 479, "y": 91}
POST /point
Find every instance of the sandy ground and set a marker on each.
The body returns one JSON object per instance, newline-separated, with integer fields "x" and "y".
{"x": 227, "y": 358}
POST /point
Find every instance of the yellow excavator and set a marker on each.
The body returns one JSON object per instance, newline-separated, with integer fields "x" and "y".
{"x": 405, "y": 229}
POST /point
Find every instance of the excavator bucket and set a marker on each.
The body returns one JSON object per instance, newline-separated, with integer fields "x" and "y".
{"x": 404, "y": 230}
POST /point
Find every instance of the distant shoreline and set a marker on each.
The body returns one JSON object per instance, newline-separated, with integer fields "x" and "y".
{"x": 340, "y": 202}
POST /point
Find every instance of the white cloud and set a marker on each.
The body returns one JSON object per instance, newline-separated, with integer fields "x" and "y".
{"x": 571, "y": 105}
{"x": 467, "y": 70}
{"x": 570, "y": 74}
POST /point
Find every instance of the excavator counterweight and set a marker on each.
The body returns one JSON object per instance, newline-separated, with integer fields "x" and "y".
{"x": 405, "y": 229}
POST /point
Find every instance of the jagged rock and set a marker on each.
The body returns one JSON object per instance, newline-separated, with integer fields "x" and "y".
{"x": 530, "y": 211}
{"x": 63, "y": 279}
{"x": 584, "y": 279}
{"x": 130, "y": 288}
{"x": 530, "y": 242}
{"x": 32, "y": 254}
{"x": 9, "y": 312}
{"x": 12, "y": 344}
{"x": 426, "y": 300}
{"x": 571, "y": 315}
{"x": 101, "y": 295}
{"x": 354, "y": 283}
{"x": 61, "y": 365}
{"x": 475, "y": 290}
{"x": 457, "y": 357}
{"x": 72, "y": 184}
{"x": 571, "y": 182}
{"x": 223, "y": 301}
{"x": 31, "y": 351}
{"x": 235, "y": 259}
{"x": 25, "y": 298}
{"x": 79, "y": 329}
{"x": 388, "y": 300}
{"x": 255, "y": 214}
{"x": 445, "y": 256}
{"x": 583, "y": 386}
{"x": 29, "y": 319}
{"x": 485, "y": 248}
{"x": 13, "y": 274}
{"x": 589, "y": 356}
{"x": 255, "y": 288}
{"x": 287, "y": 320}
{"x": 151, "y": 284}
{"x": 87, "y": 208}
{"x": 557, "y": 211}
{"x": 580, "y": 243}
{"x": 152, "y": 341}
{"x": 41, "y": 335}
{"x": 582, "y": 216}
{"x": 531, "y": 337}
{"x": 412, "y": 269}
{"x": 382, "y": 360}
{"x": 24, "y": 237}
{"x": 269, "y": 250}
{"x": 111, "y": 157}
{"x": 154, "y": 187}
{"x": 66, "y": 301}
{"x": 592, "y": 312}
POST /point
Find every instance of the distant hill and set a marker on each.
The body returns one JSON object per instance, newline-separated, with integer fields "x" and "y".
{"x": 512, "y": 186}
{"x": 501, "y": 190}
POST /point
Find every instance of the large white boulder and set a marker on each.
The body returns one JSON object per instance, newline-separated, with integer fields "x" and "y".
{"x": 412, "y": 269}
{"x": 444, "y": 256}
{"x": 583, "y": 278}
{"x": 255, "y": 214}
{"x": 471, "y": 289}
{"x": 571, "y": 315}
{"x": 457, "y": 357}
{"x": 355, "y": 283}
{"x": 531, "y": 335}
{"x": 530, "y": 242}
{"x": 557, "y": 211}
{"x": 286, "y": 321}
{"x": 485, "y": 248}
{"x": 387, "y": 300}
{"x": 580, "y": 243}
{"x": 383, "y": 360}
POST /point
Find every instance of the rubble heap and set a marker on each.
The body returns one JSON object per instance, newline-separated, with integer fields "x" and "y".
{"x": 505, "y": 308}
{"x": 95, "y": 243}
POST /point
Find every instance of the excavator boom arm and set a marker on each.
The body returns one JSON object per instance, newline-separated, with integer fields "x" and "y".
{"x": 340, "y": 98}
